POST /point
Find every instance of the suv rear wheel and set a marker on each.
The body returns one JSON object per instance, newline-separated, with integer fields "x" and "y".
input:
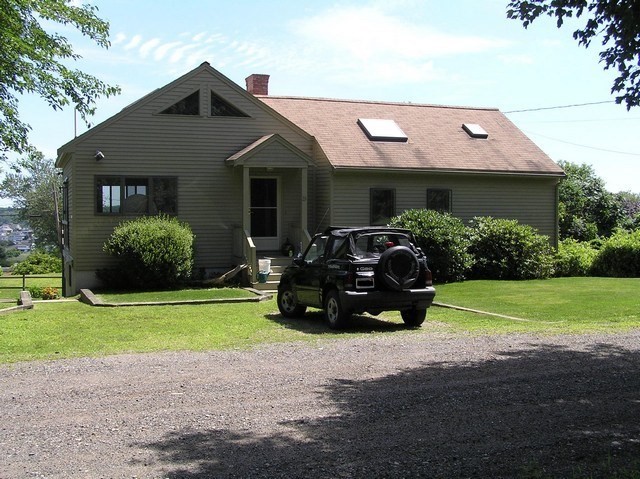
{"x": 413, "y": 317}
{"x": 334, "y": 312}
{"x": 288, "y": 303}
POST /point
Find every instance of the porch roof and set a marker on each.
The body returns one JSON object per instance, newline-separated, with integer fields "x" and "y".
{"x": 272, "y": 151}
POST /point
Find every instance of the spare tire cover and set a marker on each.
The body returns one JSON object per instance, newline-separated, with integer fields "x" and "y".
{"x": 398, "y": 268}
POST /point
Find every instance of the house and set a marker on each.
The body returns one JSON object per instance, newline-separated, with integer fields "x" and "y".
{"x": 248, "y": 171}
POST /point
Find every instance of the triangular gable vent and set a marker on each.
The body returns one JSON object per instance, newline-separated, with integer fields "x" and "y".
{"x": 189, "y": 105}
{"x": 221, "y": 107}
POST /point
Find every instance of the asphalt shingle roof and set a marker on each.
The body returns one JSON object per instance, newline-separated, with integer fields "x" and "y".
{"x": 436, "y": 141}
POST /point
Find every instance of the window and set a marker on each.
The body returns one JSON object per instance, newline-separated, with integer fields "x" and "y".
{"x": 165, "y": 195}
{"x": 136, "y": 195}
{"x": 189, "y": 105}
{"x": 108, "y": 191}
{"x": 382, "y": 130}
{"x": 439, "y": 200}
{"x": 136, "y": 199}
{"x": 373, "y": 245}
{"x": 220, "y": 107}
{"x": 474, "y": 130}
{"x": 315, "y": 251}
{"x": 382, "y": 206}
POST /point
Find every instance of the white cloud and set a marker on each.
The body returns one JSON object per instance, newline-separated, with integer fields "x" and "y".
{"x": 148, "y": 46}
{"x": 133, "y": 43}
{"x": 346, "y": 44}
{"x": 164, "y": 49}
{"x": 367, "y": 33}
{"x": 119, "y": 38}
{"x": 367, "y": 43}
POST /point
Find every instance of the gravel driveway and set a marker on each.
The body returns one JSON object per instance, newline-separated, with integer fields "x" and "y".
{"x": 395, "y": 405}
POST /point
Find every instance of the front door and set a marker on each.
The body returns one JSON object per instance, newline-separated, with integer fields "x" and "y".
{"x": 265, "y": 218}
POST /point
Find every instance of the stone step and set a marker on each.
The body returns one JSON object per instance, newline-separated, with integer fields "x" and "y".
{"x": 278, "y": 264}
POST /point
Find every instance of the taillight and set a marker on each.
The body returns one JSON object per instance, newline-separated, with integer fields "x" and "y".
{"x": 349, "y": 279}
{"x": 425, "y": 275}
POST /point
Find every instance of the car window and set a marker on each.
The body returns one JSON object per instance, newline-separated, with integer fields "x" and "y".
{"x": 338, "y": 248}
{"x": 373, "y": 245}
{"x": 316, "y": 249}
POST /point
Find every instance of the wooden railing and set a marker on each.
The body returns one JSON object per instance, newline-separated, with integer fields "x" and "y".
{"x": 305, "y": 238}
{"x": 245, "y": 250}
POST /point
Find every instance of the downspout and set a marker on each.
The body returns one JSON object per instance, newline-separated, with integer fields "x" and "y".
{"x": 556, "y": 236}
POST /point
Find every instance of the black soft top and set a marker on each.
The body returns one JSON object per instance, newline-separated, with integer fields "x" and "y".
{"x": 342, "y": 231}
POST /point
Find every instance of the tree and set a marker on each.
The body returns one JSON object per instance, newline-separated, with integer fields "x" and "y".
{"x": 31, "y": 61}
{"x": 617, "y": 22}
{"x": 630, "y": 205}
{"x": 587, "y": 209}
{"x": 34, "y": 185}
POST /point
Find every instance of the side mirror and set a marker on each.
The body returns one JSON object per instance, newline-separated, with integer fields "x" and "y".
{"x": 298, "y": 261}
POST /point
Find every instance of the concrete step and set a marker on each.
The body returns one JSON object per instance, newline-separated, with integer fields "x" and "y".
{"x": 278, "y": 264}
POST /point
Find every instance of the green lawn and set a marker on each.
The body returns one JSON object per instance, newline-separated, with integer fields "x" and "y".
{"x": 68, "y": 329}
{"x": 554, "y": 305}
{"x": 177, "y": 295}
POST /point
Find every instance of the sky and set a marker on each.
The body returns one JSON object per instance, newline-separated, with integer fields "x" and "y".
{"x": 454, "y": 52}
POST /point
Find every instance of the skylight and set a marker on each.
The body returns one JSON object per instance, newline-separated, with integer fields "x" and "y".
{"x": 474, "y": 130}
{"x": 382, "y": 130}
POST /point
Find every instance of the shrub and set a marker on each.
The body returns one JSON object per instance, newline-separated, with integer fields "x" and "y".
{"x": 38, "y": 262}
{"x": 50, "y": 293}
{"x": 35, "y": 291}
{"x": 153, "y": 252}
{"x": 506, "y": 249}
{"x": 444, "y": 240}
{"x": 619, "y": 256}
{"x": 574, "y": 258}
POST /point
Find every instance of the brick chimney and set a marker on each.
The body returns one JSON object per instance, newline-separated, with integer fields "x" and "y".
{"x": 258, "y": 84}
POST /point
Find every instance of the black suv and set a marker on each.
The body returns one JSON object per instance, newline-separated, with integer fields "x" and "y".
{"x": 356, "y": 270}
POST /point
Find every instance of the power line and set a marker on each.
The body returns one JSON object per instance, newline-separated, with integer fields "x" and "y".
{"x": 594, "y": 120}
{"x": 583, "y": 146}
{"x": 559, "y": 107}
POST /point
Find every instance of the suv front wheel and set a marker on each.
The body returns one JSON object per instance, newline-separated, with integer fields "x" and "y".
{"x": 334, "y": 312}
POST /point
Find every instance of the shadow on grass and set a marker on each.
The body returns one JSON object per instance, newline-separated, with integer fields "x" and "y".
{"x": 313, "y": 323}
{"x": 543, "y": 411}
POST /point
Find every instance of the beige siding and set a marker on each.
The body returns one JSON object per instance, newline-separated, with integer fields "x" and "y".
{"x": 323, "y": 198}
{"x": 141, "y": 142}
{"x": 529, "y": 200}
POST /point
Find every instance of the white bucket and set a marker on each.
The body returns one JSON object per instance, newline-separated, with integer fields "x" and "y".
{"x": 264, "y": 265}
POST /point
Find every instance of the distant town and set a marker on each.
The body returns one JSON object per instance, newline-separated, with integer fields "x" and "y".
{"x": 14, "y": 235}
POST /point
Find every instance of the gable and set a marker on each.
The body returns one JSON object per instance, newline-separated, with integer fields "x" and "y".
{"x": 202, "y": 94}
{"x": 271, "y": 151}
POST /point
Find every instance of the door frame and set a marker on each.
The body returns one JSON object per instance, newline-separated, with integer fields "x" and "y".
{"x": 268, "y": 243}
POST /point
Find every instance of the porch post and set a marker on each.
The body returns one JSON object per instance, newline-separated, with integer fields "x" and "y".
{"x": 246, "y": 199}
{"x": 303, "y": 200}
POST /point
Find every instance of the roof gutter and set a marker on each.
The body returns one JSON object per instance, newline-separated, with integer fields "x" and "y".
{"x": 439, "y": 171}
